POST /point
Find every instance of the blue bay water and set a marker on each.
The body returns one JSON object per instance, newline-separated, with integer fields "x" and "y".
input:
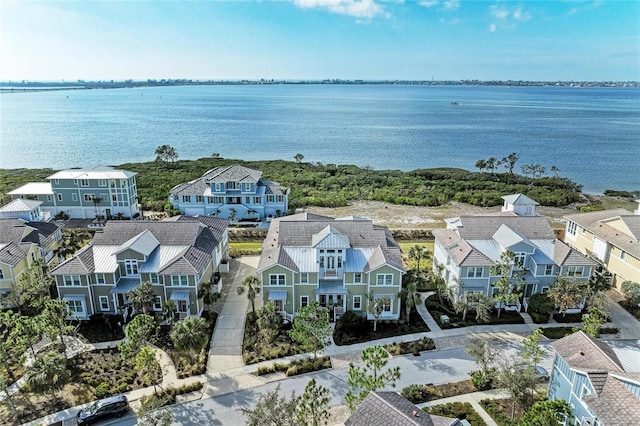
{"x": 591, "y": 134}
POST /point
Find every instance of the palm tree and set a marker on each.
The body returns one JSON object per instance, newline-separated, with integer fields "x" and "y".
{"x": 208, "y": 295}
{"x": 169, "y": 311}
{"x": 190, "y": 335}
{"x": 142, "y": 297}
{"x": 251, "y": 285}
{"x": 96, "y": 203}
{"x": 411, "y": 298}
{"x": 269, "y": 322}
{"x": 417, "y": 253}
{"x": 72, "y": 241}
{"x": 48, "y": 373}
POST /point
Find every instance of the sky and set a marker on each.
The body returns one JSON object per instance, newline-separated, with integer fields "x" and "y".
{"x": 559, "y": 40}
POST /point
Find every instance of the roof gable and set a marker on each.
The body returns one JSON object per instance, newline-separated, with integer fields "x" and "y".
{"x": 330, "y": 238}
{"x": 582, "y": 352}
{"x": 143, "y": 243}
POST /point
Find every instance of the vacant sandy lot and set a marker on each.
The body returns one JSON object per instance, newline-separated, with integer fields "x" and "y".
{"x": 411, "y": 217}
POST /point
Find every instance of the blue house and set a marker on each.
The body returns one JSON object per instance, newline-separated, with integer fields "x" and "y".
{"x": 234, "y": 192}
{"x": 588, "y": 374}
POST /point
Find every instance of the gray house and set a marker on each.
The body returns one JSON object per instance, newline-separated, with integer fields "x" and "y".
{"x": 176, "y": 256}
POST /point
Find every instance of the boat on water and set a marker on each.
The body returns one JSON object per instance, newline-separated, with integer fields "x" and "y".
{"x": 454, "y": 103}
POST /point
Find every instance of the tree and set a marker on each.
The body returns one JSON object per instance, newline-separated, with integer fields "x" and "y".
{"x": 437, "y": 281}
{"x": 28, "y": 331}
{"x": 568, "y": 292}
{"x": 593, "y": 322}
{"x": 298, "y": 158}
{"x": 54, "y": 321}
{"x": 190, "y": 335}
{"x": 232, "y": 214}
{"x": 369, "y": 377}
{"x": 377, "y": 306}
{"x": 517, "y": 381}
{"x": 269, "y": 322}
{"x": 272, "y": 410}
{"x": 483, "y": 306}
{"x": 166, "y": 153}
{"x": 533, "y": 169}
{"x": 510, "y": 162}
{"x": 556, "y": 171}
{"x": 481, "y": 165}
{"x": 33, "y": 288}
{"x": 169, "y": 312}
{"x": 251, "y": 286}
{"x": 417, "y": 253}
{"x": 152, "y": 413}
{"x": 411, "y": 298}
{"x": 530, "y": 350}
{"x": 139, "y": 333}
{"x": 10, "y": 345}
{"x": 142, "y": 297}
{"x": 631, "y": 291}
{"x": 208, "y": 295}
{"x": 48, "y": 373}
{"x": 484, "y": 352}
{"x": 546, "y": 412}
{"x": 72, "y": 241}
{"x": 511, "y": 279}
{"x": 313, "y": 406}
{"x": 311, "y": 328}
{"x": 147, "y": 364}
{"x": 491, "y": 164}
{"x": 4, "y": 387}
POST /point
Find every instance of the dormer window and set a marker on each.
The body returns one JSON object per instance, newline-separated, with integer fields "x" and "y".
{"x": 131, "y": 267}
{"x": 246, "y": 187}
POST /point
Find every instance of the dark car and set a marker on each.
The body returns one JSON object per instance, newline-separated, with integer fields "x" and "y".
{"x": 114, "y": 406}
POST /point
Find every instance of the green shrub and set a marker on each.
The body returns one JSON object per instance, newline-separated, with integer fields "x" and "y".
{"x": 556, "y": 332}
{"x": 460, "y": 410}
{"x": 103, "y": 390}
{"x": 265, "y": 369}
{"x": 539, "y": 317}
{"x": 540, "y": 303}
{"x": 417, "y": 394}
{"x": 493, "y": 409}
{"x": 482, "y": 380}
{"x": 308, "y": 365}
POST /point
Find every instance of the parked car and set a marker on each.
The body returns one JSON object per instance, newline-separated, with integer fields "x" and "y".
{"x": 539, "y": 372}
{"x": 113, "y": 406}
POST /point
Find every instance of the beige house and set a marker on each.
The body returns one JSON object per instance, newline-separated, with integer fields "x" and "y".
{"x": 611, "y": 237}
{"x": 337, "y": 262}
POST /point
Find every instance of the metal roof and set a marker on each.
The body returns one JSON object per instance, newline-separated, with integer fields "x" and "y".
{"x": 33, "y": 188}
{"x": 104, "y": 259}
{"x": 143, "y": 243}
{"x": 161, "y": 257}
{"x": 20, "y": 205}
{"x": 277, "y": 295}
{"x": 125, "y": 285}
{"x": 330, "y": 287}
{"x": 180, "y": 295}
{"x": 98, "y": 172}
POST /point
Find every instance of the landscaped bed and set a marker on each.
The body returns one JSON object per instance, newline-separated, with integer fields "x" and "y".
{"x": 355, "y": 328}
{"x": 560, "y": 332}
{"x": 411, "y": 347}
{"x": 254, "y": 349}
{"x": 418, "y": 394}
{"x": 101, "y": 328}
{"x": 460, "y": 410}
{"x": 445, "y": 309}
{"x": 297, "y": 367}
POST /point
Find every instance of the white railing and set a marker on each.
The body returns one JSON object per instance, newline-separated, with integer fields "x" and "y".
{"x": 525, "y": 303}
{"x": 338, "y": 311}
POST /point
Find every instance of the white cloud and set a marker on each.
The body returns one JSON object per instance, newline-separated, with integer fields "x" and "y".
{"x": 520, "y": 15}
{"x": 452, "y": 4}
{"x": 507, "y": 17}
{"x": 366, "y": 9}
{"x": 427, "y": 3}
{"x": 492, "y": 28}
{"x": 589, "y": 6}
{"x": 498, "y": 13}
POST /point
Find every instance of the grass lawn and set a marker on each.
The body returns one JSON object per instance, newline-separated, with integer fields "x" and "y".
{"x": 246, "y": 245}
{"x": 406, "y": 245}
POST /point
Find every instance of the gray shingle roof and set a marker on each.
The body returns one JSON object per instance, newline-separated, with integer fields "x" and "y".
{"x": 583, "y": 352}
{"x": 390, "y": 409}
{"x": 22, "y": 234}
{"x": 302, "y": 230}
{"x": 235, "y": 173}
{"x": 11, "y": 253}
{"x": 483, "y": 227}
{"x": 614, "y": 404}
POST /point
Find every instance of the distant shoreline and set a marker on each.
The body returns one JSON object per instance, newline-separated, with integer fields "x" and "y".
{"x": 35, "y": 86}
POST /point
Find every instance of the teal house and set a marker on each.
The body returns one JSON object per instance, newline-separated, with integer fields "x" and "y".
{"x": 85, "y": 193}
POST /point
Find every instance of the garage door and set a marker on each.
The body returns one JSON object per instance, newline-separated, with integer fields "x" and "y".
{"x": 194, "y": 211}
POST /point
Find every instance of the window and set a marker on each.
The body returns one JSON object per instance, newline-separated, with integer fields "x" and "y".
{"x": 474, "y": 272}
{"x": 131, "y": 267}
{"x": 199, "y": 198}
{"x": 100, "y": 279}
{"x": 112, "y": 183}
{"x": 233, "y": 185}
{"x": 157, "y": 303}
{"x": 247, "y": 200}
{"x": 209, "y": 200}
{"x": 102, "y": 182}
{"x": 571, "y": 229}
{"x": 59, "y": 196}
{"x": 57, "y": 181}
{"x": 357, "y": 278}
{"x": 84, "y": 182}
{"x": 584, "y": 391}
{"x": 384, "y": 279}
{"x": 114, "y": 197}
{"x": 218, "y": 200}
{"x": 1, "y": 274}
{"x": 339, "y": 261}
{"x": 89, "y": 198}
{"x": 277, "y": 279}
{"x": 74, "y": 197}
{"x": 304, "y": 301}
{"x": 219, "y": 187}
{"x": 386, "y": 308}
{"x": 304, "y": 278}
{"x": 545, "y": 290}
{"x": 179, "y": 280}
{"x": 623, "y": 254}
{"x": 575, "y": 271}
{"x": 548, "y": 270}
{"x": 186, "y": 198}
{"x": 76, "y": 308}
{"x": 280, "y": 198}
{"x": 49, "y": 198}
{"x": 357, "y": 303}
{"x": 257, "y": 200}
{"x": 123, "y": 183}
{"x": 104, "y": 303}
{"x": 246, "y": 187}
{"x": 71, "y": 280}
{"x": 270, "y": 198}
{"x": 322, "y": 261}
{"x": 154, "y": 279}
{"x": 520, "y": 259}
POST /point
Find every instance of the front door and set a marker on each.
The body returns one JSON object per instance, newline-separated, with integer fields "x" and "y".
{"x": 182, "y": 308}
{"x": 279, "y": 304}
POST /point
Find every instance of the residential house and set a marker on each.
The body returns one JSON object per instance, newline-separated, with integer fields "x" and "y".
{"x": 520, "y": 204}
{"x": 471, "y": 245}
{"x": 235, "y": 192}
{"x": 27, "y": 210}
{"x": 337, "y": 262}
{"x": 176, "y": 256}
{"x": 21, "y": 244}
{"x": 85, "y": 193}
{"x": 611, "y": 237}
{"x": 389, "y": 408}
{"x": 589, "y": 375}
